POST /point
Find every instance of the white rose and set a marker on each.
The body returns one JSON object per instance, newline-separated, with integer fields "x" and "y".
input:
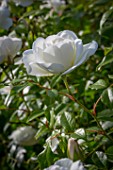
{"x": 24, "y": 136}
{"x": 5, "y": 21}
{"x": 60, "y": 53}
{"x": 23, "y": 3}
{"x": 9, "y": 48}
{"x": 66, "y": 164}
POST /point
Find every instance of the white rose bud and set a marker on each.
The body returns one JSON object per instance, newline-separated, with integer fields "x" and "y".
{"x": 60, "y": 53}
{"x": 9, "y": 48}
{"x": 71, "y": 148}
{"x": 74, "y": 150}
{"x": 24, "y": 136}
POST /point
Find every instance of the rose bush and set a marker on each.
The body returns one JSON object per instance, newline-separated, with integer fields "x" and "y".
{"x": 9, "y": 47}
{"x": 60, "y": 53}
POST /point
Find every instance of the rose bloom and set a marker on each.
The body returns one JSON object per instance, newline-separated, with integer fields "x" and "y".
{"x": 5, "y": 21}
{"x": 8, "y": 48}
{"x": 24, "y": 136}
{"x": 54, "y": 3}
{"x": 60, "y": 53}
{"x": 23, "y": 3}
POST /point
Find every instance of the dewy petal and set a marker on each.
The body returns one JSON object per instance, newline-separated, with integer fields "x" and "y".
{"x": 66, "y": 34}
{"x": 88, "y": 50}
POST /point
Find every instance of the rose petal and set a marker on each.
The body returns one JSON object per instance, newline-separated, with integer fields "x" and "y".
{"x": 79, "y": 49}
{"x": 37, "y": 70}
{"x": 38, "y": 47}
{"x": 53, "y": 68}
{"x": 64, "y": 55}
{"x": 88, "y": 50}
{"x": 7, "y": 23}
{"x": 38, "y": 43}
{"x": 67, "y": 35}
{"x": 50, "y": 39}
{"x": 28, "y": 57}
{"x": 17, "y": 43}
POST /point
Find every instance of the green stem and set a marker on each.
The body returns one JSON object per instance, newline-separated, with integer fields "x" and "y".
{"x": 28, "y": 110}
{"x": 86, "y": 109}
{"x": 11, "y": 71}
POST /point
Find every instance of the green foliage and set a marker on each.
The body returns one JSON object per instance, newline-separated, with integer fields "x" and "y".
{"x": 85, "y": 113}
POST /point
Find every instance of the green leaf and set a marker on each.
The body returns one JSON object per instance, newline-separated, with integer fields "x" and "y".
{"x": 19, "y": 88}
{"x": 17, "y": 81}
{"x": 52, "y": 93}
{"x": 105, "y": 115}
{"x": 42, "y": 131}
{"x": 92, "y": 167}
{"x": 52, "y": 119}
{"x": 46, "y": 157}
{"x": 60, "y": 108}
{"x": 106, "y": 60}
{"x": 109, "y": 153}
{"x": 2, "y": 85}
{"x": 34, "y": 115}
{"x": 55, "y": 80}
{"x": 110, "y": 76}
{"x": 68, "y": 121}
{"x": 79, "y": 134}
{"x": 100, "y": 84}
{"x": 107, "y": 97}
{"x": 100, "y": 159}
{"x": 105, "y": 16}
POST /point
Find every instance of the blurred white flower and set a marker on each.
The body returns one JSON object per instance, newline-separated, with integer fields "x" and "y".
{"x": 60, "y": 53}
{"x": 23, "y": 3}
{"x": 5, "y": 90}
{"x": 57, "y": 3}
{"x": 24, "y": 136}
{"x": 9, "y": 48}
{"x": 66, "y": 164}
{"x": 5, "y": 21}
